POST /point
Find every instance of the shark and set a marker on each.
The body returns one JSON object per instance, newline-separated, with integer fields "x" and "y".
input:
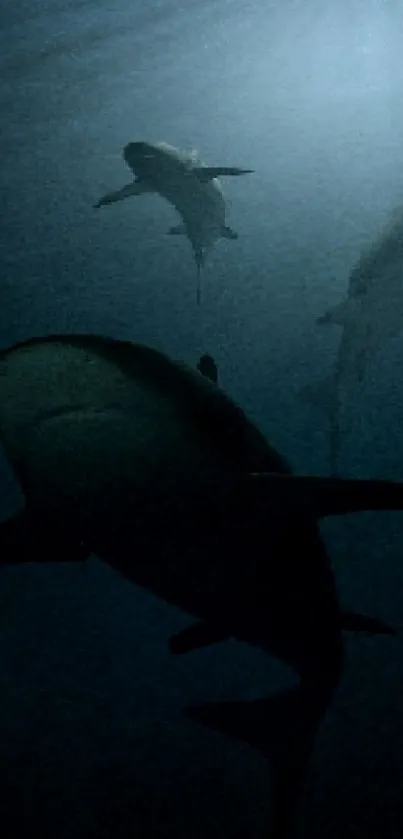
{"x": 122, "y": 452}
{"x": 189, "y": 185}
{"x": 369, "y": 317}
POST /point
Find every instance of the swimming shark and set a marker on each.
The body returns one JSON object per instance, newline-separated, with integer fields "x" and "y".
{"x": 186, "y": 182}
{"x": 370, "y": 316}
{"x": 127, "y": 454}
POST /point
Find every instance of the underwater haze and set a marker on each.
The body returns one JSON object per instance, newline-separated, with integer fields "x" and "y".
{"x": 308, "y": 94}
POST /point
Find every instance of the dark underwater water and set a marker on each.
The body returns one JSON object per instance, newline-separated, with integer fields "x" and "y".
{"x": 92, "y": 741}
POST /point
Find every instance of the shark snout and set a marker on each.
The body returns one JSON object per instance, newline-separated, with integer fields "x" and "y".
{"x": 138, "y": 150}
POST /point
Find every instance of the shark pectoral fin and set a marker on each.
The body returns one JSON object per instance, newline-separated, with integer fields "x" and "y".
{"x": 134, "y": 188}
{"x": 354, "y": 622}
{"x": 227, "y": 233}
{"x": 282, "y": 728}
{"x": 198, "y": 635}
{"x": 336, "y": 315}
{"x": 207, "y": 173}
{"x": 177, "y": 230}
{"x": 331, "y": 496}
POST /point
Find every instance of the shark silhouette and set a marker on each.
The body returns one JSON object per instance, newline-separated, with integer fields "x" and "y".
{"x": 370, "y": 316}
{"x": 193, "y": 188}
{"x": 124, "y": 453}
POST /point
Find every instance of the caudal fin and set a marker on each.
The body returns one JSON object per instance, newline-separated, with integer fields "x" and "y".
{"x": 199, "y": 258}
{"x": 281, "y": 728}
{"x": 198, "y": 289}
{"x": 262, "y": 723}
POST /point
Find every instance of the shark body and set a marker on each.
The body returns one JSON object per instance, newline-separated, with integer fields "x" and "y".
{"x": 370, "y": 316}
{"x": 191, "y": 187}
{"x": 124, "y": 453}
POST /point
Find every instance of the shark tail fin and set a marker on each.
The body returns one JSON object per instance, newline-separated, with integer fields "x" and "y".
{"x": 282, "y": 729}
{"x": 198, "y": 287}
{"x": 199, "y": 257}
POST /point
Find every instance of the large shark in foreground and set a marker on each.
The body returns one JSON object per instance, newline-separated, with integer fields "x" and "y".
{"x": 192, "y": 188}
{"x": 370, "y": 316}
{"x": 124, "y": 453}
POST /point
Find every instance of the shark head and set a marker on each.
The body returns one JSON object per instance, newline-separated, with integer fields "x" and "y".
{"x": 144, "y": 159}
{"x": 137, "y": 150}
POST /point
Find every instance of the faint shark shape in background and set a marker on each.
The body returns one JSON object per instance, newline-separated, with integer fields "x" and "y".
{"x": 193, "y": 188}
{"x": 126, "y": 454}
{"x": 371, "y": 315}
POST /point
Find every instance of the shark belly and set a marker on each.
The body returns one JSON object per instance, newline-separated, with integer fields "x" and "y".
{"x": 200, "y": 205}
